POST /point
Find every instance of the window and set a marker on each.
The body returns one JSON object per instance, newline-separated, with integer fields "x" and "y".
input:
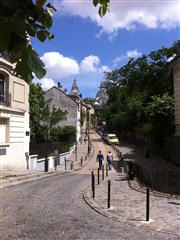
{"x": 5, "y": 96}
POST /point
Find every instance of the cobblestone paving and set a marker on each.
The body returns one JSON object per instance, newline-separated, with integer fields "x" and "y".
{"x": 54, "y": 208}
{"x": 128, "y": 204}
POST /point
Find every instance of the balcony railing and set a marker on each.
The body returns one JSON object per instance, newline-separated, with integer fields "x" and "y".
{"x": 5, "y": 99}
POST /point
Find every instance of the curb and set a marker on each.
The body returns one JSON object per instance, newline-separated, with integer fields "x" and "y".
{"x": 87, "y": 196}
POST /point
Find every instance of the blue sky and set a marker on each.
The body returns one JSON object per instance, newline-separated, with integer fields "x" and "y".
{"x": 86, "y": 45}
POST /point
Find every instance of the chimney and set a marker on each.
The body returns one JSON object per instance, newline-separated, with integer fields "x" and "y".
{"x": 59, "y": 86}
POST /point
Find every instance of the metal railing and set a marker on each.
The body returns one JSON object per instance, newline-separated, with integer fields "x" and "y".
{"x": 5, "y": 98}
{"x": 161, "y": 181}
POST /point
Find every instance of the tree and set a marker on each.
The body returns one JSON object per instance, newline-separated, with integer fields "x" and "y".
{"x": 38, "y": 111}
{"x": 21, "y": 20}
{"x": 104, "y": 6}
{"x": 141, "y": 96}
{"x": 56, "y": 115}
{"x": 159, "y": 113}
{"x": 65, "y": 133}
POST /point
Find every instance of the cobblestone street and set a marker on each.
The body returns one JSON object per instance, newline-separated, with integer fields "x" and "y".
{"x": 54, "y": 208}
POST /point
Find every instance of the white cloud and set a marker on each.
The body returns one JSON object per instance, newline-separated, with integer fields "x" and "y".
{"x": 90, "y": 64}
{"x": 128, "y": 14}
{"x": 129, "y": 54}
{"x": 58, "y": 66}
{"x": 133, "y": 54}
{"x": 89, "y": 72}
{"x": 105, "y": 68}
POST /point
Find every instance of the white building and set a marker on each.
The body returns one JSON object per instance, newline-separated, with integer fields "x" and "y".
{"x": 14, "y": 119}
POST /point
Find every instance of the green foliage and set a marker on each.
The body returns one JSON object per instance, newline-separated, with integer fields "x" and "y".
{"x": 40, "y": 113}
{"x": 141, "y": 95}
{"x": 56, "y": 115}
{"x": 58, "y": 134}
{"x": 159, "y": 114}
{"x": 66, "y": 148}
{"x": 104, "y": 6}
{"x": 20, "y": 20}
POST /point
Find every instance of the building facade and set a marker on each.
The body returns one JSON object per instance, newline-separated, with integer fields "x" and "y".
{"x": 60, "y": 99}
{"x": 14, "y": 119}
{"x": 176, "y": 74}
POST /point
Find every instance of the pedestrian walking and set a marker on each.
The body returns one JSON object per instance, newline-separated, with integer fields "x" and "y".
{"x": 80, "y": 140}
{"x": 85, "y": 139}
{"x": 100, "y": 158}
{"x": 109, "y": 160}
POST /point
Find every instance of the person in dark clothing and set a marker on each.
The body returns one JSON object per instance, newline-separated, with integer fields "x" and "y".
{"x": 85, "y": 139}
{"x": 100, "y": 158}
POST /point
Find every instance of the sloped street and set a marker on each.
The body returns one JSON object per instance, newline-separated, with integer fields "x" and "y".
{"x": 54, "y": 208}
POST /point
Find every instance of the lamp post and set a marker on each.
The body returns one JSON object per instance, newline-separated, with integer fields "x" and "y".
{"x": 89, "y": 147}
{"x": 76, "y": 149}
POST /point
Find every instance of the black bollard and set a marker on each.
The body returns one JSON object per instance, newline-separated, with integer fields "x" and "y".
{"x": 147, "y": 204}
{"x": 72, "y": 165}
{"x": 56, "y": 157}
{"x": 109, "y": 193}
{"x": 98, "y": 175}
{"x": 102, "y": 172}
{"x": 65, "y": 163}
{"x": 55, "y": 164}
{"x": 106, "y": 169}
{"x": 92, "y": 173}
{"x": 93, "y": 186}
{"x": 46, "y": 165}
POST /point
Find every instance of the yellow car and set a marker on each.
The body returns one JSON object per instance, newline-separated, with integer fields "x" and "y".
{"x": 112, "y": 139}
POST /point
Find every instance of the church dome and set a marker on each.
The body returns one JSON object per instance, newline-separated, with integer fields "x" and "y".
{"x": 101, "y": 99}
{"x": 101, "y": 94}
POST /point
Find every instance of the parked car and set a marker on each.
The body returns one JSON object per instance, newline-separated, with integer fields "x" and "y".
{"x": 104, "y": 137}
{"x": 112, "y": 139}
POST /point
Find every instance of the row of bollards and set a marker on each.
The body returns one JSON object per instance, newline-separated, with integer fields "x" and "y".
{"x": 72, "y": 163}
{"x": 109, "y": 192}
{"x": 98, "y": 181}
{"x": 56, "y": 158}
{"x": 103, "y": 170}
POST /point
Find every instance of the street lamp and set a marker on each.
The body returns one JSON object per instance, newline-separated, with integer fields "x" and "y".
{"x": 89, "y": 147}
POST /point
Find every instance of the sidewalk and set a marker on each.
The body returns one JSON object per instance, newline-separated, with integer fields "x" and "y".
{"x": 128, "y": 199}
{"x": 13, "y": 177}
